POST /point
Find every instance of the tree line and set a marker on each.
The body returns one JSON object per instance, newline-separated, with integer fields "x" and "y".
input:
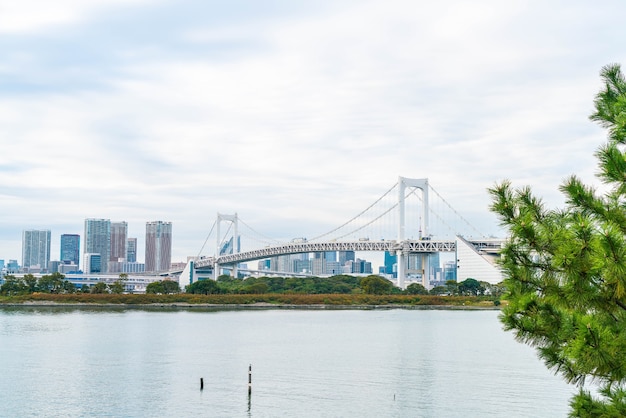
{"x": 342, "y": 284}
{"x": 56, "y": 283}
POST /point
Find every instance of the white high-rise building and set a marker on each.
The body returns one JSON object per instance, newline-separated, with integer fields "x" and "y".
{"x": 36, "y": 249}
{"x": 158, "y": 246}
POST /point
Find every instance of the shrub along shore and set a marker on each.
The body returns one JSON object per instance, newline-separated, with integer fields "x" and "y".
{"x": 256, "y": 301}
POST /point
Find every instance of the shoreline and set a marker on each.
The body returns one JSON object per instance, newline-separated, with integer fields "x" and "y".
{"x": 236, "y": 306}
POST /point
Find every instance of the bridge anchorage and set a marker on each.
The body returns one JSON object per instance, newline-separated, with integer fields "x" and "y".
{"x": 474, "y": 257}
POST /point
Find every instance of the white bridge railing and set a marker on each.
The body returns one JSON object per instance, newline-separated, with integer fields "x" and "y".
{"x": 406, "y": 246}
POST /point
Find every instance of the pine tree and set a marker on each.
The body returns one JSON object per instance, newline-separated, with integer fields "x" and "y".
{"x": 565, "y": 269}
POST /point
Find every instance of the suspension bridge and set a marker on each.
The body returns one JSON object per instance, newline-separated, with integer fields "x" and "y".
{"x": 412, "y": 220}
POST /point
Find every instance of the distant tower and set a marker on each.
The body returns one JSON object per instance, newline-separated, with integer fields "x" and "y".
{"x": 36, "y": 249}
{"x": 158, "y": 246}
{"x": 131, "y": 250}
{"x": 98, "y": 241}
{"x": 119, "y": 231}
{"x": 391, "y": 261}
{"x": 344, "y": 256}
{"x": 70, "y": 249}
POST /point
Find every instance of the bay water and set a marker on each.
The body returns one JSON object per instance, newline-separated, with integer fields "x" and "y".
{"x": 81, "y": 362}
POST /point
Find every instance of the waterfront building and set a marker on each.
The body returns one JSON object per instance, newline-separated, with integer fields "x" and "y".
{"x": 264, "y": 264}
{"x": 301, "y": 265}
{"x": 318, "y": 265}
{"x": 449, "y": 271}
{"x": 70, "y": 249}
{"x": 68, "y": 268}
{"x": 131, "y": 250}
{"x": 92, "y": 263}
{"x": 333, "y": 268}
{"x": 158, "y": 246}
{"x": 359, "y": 266}
{"x": 53, "y": 266}
{"x": 119, "y": 231}
{"x": 390, "y": 267}
{"x": 128, "y": 267}
{"x": 98, "y": 241}
{"x": 12, "y": 267}
{"x": 35, "y": 250}
{"x": 344, "y": 256}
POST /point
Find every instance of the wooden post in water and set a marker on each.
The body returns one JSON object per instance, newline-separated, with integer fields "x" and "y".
{"x": 201, "y": 383}
{"x": 249, "y": 380}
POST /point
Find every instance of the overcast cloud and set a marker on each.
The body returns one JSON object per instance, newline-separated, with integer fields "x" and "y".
{"x": 296, "y": 115}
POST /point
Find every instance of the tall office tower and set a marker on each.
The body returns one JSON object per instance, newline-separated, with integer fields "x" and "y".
{"x": 98, "y": 241}
{"x": 70, "y": 249}
{"x": 119, "y": 230}
{"x": 391, "y": 261}
{"x": 36, "y": 249}
{"x": 131, "y": 250}
{"x": 158, "y": 246}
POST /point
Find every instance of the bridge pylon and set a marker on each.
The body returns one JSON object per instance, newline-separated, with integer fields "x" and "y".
{"x": 234, "y": 220}
{"x": 402, "y": 253}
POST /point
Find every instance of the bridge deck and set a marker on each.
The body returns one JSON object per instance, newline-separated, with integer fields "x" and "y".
{"x": 407, "y": 246}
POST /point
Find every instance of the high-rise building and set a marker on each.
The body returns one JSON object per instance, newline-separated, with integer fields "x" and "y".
{"x": 98, "y": 241}
{"x": 36, "y": 249}
{"x": 390, "y": 267}
{"x": 131, "y": 250}
{"x": 119, "y": 230}
{"x": 70, "y": 249}
{"x": 344, "y": 256}
{"x": 158, "y": 246}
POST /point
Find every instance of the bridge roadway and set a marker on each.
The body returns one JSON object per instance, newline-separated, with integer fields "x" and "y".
{"x": 407, "y": 246}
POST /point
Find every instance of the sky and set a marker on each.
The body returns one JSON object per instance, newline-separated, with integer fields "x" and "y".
{"x": 296, "y": 115}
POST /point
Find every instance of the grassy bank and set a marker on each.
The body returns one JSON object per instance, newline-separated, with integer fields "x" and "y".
{"x": 272, "y": 299}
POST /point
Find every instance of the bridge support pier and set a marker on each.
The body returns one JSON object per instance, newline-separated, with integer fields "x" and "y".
{"x": 234, "y": 220}
{"x": 403, "y": 183}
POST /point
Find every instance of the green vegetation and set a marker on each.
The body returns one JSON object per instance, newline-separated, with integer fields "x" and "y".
{"x": 262, "y": 300}
{"x": 336, "y": 290}
{"x": 566, "y": 268}
{"x": 52, "y": 283}
{"x": 163, "y": 287}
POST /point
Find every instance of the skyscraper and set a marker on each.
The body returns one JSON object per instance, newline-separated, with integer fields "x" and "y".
{"x": 70, "y": 249}
{"x": 158, "y": 246}
{"x": 131, "y": 250}
{"x": 98, "y": 241}
{"x": 36, "y": 249}
{"x": 119, "y": 230}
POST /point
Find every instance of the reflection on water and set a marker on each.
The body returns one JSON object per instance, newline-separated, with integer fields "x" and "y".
{"x": 69, "y": 361}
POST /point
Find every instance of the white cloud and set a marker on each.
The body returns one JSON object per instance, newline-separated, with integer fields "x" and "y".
{"x": 296, "y": 121}
{"x": 26, "y": 16}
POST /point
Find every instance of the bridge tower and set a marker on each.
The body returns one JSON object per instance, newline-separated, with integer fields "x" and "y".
{"x": 402, "y": 254}
{"x": 233, "y": 219}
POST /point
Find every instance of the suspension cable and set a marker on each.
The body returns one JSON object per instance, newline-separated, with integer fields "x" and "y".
{"x": 456, "y": 213}
{"x": 259, "y": 234}
{"x": 207, "y": 238}
{"x": 362, "y": 212}
{"x": 370, "y": 222}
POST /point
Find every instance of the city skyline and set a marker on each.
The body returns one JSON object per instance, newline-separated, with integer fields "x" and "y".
{"x": 295, "y": 115}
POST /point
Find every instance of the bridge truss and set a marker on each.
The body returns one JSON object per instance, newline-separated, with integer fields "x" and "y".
{"x": 344, "y": 238}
